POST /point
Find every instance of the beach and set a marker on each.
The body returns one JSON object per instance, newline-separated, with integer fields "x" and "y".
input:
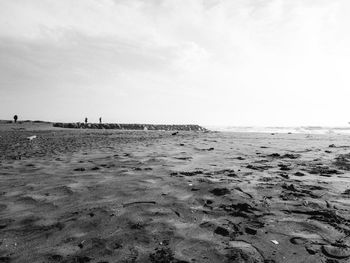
{"x": 82, "y": 195}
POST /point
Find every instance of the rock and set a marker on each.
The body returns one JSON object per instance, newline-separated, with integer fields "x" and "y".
{"x": 299, "y": 174}
{"x": 117, "y": 126}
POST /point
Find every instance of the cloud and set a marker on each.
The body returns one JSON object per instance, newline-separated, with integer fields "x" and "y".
{"x": 216, "y": 61}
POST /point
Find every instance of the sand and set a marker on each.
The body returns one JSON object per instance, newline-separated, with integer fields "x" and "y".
{"x": 149, "y": 196}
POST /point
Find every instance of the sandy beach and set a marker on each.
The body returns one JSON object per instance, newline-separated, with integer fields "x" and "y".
{"x": 149, "y": 196}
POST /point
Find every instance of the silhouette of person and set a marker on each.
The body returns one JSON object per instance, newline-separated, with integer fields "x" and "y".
{"x": 15, "y": 118}
{"x": 100, "y": 120}
{"x": 86, "y": 120}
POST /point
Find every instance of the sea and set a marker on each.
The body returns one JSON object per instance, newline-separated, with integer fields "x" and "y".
{"x": 300, "y": 129}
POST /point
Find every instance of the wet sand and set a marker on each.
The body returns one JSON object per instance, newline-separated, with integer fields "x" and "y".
{"x": 149, "y": 196}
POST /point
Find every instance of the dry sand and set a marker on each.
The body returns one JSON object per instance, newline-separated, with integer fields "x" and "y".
{"x": 112, "y": 196}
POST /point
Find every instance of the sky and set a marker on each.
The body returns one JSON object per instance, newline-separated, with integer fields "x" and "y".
{"x": 208, "y": 62}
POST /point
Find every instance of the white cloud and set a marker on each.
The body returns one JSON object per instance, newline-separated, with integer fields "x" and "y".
{"x": 249, "y": 62}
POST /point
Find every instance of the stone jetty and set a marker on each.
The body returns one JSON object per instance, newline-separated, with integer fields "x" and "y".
{"x": 117, "y": 126}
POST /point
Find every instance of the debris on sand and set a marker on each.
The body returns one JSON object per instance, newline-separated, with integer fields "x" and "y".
{"x": 240, "y": 190}
{"x": 290, "y": 187}
{"x": 162, "y": 255}
{"x": 285, "y": 156}
{"x": 323, "y": 171}
{"x": 342, "y": 161}
{"x": 192, "y": 173}
{"x": 220, "y": 191}
{"x": 284, "y": 167}
{"x": 259, "y": 167}
{"x": 208, "y": 149}
{"x": 284, "y": 175}
{"x": 250, "y": 231}
{"x": 80, "y": 169}
{"x": 184, "y": 158}
{"x": 221, "y": 231}
{"x": 139, "y": 202}
{"x": 274, "y": 155}
{"x": 30, "y": 138}
{"x": 275, "y": 242}
{"x": 291, "y": 156}
{"x": 346, "y": 192}
{"x": 240, "y": 209}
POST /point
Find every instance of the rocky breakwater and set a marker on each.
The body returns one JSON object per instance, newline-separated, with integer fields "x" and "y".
{"x": 116, "y": 126}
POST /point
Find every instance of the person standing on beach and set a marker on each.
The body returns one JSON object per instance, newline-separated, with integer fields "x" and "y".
{"x": 15, "y": 118}
{"x": 100, "y": 119}
{"x": 86, "y": 120}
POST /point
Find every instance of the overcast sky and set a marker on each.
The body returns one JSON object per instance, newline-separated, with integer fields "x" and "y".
{"x": 210, "y": 62}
